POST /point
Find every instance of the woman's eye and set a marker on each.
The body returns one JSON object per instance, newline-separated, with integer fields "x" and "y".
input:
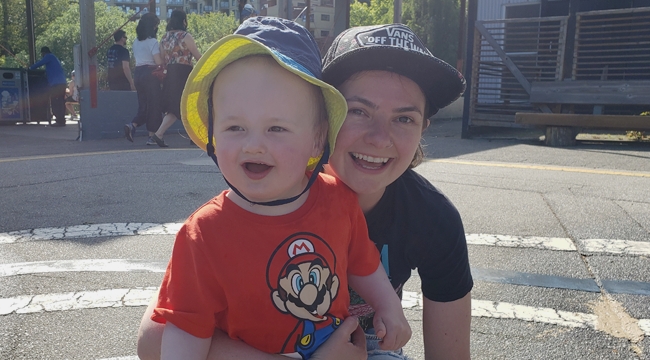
{"x": 355, "y": 111}
{"x": 277, "y": 129}
{"x": 405, "y": 120}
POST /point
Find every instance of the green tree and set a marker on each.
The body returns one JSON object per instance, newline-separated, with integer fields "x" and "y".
{"x": 436, "y": 24}
{"x": 206, "y": 29}
{"x": 64, "y": 32}
{"x": 372, "y": 13}
{"x": 13, "y": 33}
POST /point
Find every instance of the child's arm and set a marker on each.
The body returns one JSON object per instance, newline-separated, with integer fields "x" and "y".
{"x": 389, "y": 321}
{"x": 178, "y": 344}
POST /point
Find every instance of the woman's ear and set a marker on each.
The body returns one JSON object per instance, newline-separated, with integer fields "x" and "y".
{"x": 426, "y": 124}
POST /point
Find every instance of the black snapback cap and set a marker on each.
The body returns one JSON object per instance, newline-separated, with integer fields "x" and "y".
{"x": 395, "y": 48}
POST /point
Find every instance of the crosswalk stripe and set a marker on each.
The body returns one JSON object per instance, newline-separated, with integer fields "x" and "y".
{"x": 118, "y": 265}
{"x": 113, "y": 298}
{"x": 587, "y": 246}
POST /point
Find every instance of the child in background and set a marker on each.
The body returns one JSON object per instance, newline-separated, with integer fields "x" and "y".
{"x": 269, "y": 260}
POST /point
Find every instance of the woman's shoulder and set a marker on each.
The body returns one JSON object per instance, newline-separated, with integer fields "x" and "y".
{"x": 417, "y": 194}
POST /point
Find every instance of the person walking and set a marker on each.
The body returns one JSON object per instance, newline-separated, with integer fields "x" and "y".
{"x": 71, "y": 96}
{"x": 119, "y": 64}
{"x": 146, "y": 51}
{"x": 177, "y": 48}
{"x": 57, "y": 83}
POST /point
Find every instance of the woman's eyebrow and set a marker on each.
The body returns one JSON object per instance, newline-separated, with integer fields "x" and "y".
{"x": 408, "y": 109}
{"x": 364, "y": 101}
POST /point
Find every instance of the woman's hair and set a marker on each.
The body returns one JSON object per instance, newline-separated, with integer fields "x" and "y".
{"x": 177, "y": 21}
{"x": 147, "y": 26}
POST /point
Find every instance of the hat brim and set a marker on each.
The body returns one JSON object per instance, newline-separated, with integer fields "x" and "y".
{"x": 194, "y": 102}
{"x": 441, "y": 83}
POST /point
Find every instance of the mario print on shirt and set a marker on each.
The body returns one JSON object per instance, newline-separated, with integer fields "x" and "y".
{"x": 301, "y": 277}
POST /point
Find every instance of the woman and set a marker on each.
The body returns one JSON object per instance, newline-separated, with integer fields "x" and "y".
{"x": 177, "y": 48}
{"x": 392, "y": 85}
{"x": 147, "y": 58}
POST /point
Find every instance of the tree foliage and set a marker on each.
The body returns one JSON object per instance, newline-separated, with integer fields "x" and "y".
{"x": 371, "y": 13}
{"x": 208, "y": 28}
{"x": 13, "y": 33}
{"x": 63, "y": 32}
{"x": 436, "y": 24}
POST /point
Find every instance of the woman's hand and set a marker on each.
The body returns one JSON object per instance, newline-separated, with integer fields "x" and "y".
{"x": 348, "y": 342}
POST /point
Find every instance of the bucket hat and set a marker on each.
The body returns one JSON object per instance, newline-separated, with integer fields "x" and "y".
{"x": 288, "y": 43}
{"x": 395, "y": 48}
{"x": 293, "y": 47}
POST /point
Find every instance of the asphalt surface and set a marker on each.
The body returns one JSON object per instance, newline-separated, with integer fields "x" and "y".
{"x": 532, "y": 300}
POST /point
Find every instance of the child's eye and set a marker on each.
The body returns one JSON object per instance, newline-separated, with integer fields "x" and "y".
{"x": 277, "y": 129}
{"x": 234, "y": 128}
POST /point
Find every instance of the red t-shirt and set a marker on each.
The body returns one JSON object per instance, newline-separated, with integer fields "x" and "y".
{"x": 270, "y": 281}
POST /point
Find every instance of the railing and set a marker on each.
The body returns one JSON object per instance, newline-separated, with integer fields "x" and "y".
{"x": 612, "y": 45}
{"x": 508, "y": 55}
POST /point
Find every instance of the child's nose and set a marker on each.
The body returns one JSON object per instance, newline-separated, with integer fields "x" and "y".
{"x": 254, "y": 144}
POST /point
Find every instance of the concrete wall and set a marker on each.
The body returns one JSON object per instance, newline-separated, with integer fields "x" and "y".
{"x": 114, "y": 109}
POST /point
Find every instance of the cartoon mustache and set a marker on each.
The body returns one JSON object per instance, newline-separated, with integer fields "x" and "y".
{"x": 312, "y": 307}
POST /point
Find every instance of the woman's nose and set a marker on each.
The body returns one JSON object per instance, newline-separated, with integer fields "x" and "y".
{"x": 378, "y": 134}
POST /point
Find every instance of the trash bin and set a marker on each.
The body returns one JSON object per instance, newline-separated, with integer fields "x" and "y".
{"x": 39, "y": 97}
{"x": 13, "y": 101}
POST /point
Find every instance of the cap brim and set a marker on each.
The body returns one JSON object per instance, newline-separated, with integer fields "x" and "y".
{"x": 441, "y": 83}
{"x": 194, "y": 102}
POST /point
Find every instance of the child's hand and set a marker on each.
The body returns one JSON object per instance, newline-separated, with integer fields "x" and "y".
{"x": 392, "y": 328}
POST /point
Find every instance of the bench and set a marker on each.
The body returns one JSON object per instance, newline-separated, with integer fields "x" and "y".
{"x": 561, "y": 128}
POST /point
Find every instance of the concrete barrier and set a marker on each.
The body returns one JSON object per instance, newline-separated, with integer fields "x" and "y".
{"x": 114, "y": 109}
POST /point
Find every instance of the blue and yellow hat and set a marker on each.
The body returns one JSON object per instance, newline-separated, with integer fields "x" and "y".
{"x": 292, "y": 47}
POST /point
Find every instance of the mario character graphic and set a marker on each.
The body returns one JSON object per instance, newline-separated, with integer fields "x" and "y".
{"x": 301, "y": 277}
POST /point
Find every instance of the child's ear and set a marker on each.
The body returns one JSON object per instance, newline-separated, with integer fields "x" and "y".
{"x": 319, "y": 142}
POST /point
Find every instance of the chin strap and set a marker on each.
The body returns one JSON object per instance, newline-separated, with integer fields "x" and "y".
{"x": 312, "y": 178}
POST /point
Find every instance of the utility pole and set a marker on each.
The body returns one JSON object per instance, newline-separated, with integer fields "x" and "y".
{"x": 88, "y": 55}
{"x": 152, "y": 6}
{"x": 397, "y": 11}
{"x": 308, "y": 15}
{"x": 31, "y": 41}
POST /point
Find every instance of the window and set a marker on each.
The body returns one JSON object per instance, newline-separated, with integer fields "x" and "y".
{"x": 157, "y": 11}
{"x": 324, "y": 33}
{"x": 325, "y": 17}
{"x": 328, "y": 3}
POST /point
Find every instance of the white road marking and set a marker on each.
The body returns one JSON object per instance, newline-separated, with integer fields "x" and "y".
{"x": 113, "y": 298}
{"x": 120, "y": 265}
{"x": 544, "y": 243}
{"x": 623, "y": 247}
{"x": 592, "y": 246}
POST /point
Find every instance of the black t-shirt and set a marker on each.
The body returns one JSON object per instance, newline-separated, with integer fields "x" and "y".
{"x": 422, "y": 230}
{"x": 419, "y": 228}
{"x": 116, "y": 78}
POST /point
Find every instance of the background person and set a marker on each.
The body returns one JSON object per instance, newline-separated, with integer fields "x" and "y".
{"x": 71, "y": 96}
{"x": 119, "y": 64}
{"x": 391, "y": 93}
{"x": 57, "y": 83}
{"x": 177, "y": 48}
{"x": 146, "y": 51}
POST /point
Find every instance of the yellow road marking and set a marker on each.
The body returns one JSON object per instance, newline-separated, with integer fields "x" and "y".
{"x": 543, "y": 167}
{"x": 60, "y": 156}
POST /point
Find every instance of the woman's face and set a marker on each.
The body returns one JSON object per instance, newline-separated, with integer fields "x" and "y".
{"x": 381, "y": 132}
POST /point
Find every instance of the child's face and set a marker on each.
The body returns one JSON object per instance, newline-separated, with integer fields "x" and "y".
{"x": 265, "y": 128}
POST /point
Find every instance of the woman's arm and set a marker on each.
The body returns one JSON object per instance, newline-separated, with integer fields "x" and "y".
{"x": 446, "y": 327}
{"x": 191, "y": 46}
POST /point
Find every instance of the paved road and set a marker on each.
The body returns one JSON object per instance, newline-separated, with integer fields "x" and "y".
{"x": 559, "y": 240}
